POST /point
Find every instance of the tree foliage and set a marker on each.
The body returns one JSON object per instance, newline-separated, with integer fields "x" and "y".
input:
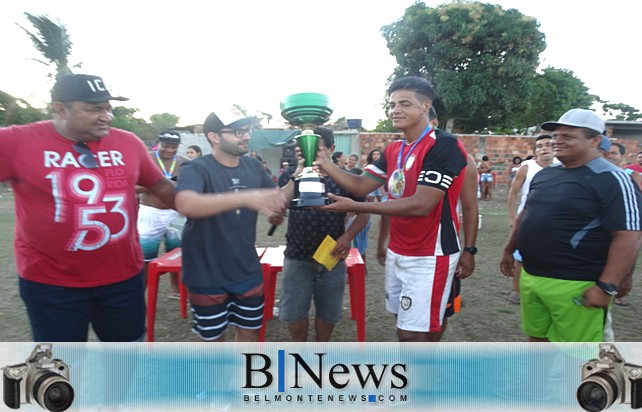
{"x": 552, "y": 93}
{"x": 163, "y": 121}
{"x": 125, "y": 118}
{"x": 52, "y": 41}
{"x": 479, "y": 57}
{"x": 18, "y": 111}
{"x": 621, "y": 111}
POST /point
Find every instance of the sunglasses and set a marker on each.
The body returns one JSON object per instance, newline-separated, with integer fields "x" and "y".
{"x": 86, "y": 159}
{"x": 239, "y": 132}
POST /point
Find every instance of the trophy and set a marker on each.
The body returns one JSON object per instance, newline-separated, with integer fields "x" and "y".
{"x": 307, "y": 110}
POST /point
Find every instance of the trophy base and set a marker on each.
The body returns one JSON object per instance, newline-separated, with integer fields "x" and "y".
{"x": 303, "y": 202}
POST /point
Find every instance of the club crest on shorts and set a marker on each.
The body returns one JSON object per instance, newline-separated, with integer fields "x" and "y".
{"x": 406, "y": 302}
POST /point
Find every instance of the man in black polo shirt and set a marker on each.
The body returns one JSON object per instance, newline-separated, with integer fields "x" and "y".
{"x": 579, "y": 235}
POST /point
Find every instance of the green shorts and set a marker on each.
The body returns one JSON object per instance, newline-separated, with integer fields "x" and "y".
{"x": 551, "y": 308}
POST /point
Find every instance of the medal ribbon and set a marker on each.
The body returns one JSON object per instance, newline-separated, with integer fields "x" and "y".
{"x": 426, "y": 131}
{"x": 171, "y": 168}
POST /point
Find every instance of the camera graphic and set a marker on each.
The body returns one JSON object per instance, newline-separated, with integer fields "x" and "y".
{"x": 609, "y": 379}
{"x": 41, "y": 379}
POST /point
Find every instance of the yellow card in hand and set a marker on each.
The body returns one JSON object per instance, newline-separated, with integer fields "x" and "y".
{"x": 322, "y": 254}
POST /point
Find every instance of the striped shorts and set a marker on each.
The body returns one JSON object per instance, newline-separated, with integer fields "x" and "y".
{"x": 240, "y": 305}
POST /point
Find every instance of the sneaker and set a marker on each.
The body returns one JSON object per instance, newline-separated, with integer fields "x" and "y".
{"x": 621, "y": 302}
{"x": 513, "y": 297}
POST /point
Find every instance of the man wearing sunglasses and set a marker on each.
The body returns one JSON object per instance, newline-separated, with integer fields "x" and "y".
{"x": 77, "y": 251}
{"x": 221, "y": 195}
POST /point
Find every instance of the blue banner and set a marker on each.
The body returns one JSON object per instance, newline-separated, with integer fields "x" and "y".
{"x": 319, "y": 377}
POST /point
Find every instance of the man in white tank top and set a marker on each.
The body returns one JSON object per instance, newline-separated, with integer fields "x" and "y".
{"x": 543, "y": 157}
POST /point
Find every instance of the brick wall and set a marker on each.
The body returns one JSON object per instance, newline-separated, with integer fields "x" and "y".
{"x": 499, "y": 149}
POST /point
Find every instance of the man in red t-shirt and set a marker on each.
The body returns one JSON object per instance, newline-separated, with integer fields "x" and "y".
{"x": 77, "y": 252}
{"x": 424, "y": 173}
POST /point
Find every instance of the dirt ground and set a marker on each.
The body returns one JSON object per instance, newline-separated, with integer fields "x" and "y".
{"x": 486, "y": 315}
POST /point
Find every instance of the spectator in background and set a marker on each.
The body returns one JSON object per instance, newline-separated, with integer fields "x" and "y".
{"x": 636, "y": 166}
{"x": 193, "y": 152}
{"x": 616, "y": 154}
{"x": 486, "y": 178}
{"x": 353, "y": 159}
{"x": 512, "y": 168}
{"x": 378, "y": 193}
{"x": 543, "y": 149}
{"x": 255, "y": 155}
{"x": 284, "y": 167}
{"x": 339, "y": 159}
{"x": 158, "y": 224}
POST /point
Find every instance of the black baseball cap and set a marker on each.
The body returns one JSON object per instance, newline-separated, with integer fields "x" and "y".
{"x": 82, "y": 87}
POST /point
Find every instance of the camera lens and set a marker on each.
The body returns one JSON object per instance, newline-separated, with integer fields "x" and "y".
{"x": 597, "y": 392}
{"x": 53, "y": 392}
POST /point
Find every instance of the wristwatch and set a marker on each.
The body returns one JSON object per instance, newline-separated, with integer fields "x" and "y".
{"x": 608, "y": 288}
{"x": 471, "y": 249}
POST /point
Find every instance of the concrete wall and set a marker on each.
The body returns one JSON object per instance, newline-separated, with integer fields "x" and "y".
{"x": 499, "y": 149}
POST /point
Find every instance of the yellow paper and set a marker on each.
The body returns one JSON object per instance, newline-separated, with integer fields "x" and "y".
{"x": 322, "y": 254}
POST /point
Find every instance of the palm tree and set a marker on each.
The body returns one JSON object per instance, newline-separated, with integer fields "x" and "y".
{"x": 52, "y": 41}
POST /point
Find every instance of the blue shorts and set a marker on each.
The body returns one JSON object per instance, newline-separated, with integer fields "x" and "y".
{"x": 301, "y": 281}
{"x": 63, "y": 314}
{"x": 486, "y": 177}
{"x": 240, "y": 305}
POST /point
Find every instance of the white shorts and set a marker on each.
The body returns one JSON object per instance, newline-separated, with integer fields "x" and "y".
{"x": 153, "y": 223}
{"x": 417, "y": 289}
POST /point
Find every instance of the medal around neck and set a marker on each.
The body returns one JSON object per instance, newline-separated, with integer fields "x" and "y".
{"x": 307, "y": 110}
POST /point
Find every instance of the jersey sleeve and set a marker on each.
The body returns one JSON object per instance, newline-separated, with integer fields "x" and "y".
{"x": 377, "y": 170}
{"x": 621, "y": 200}
{"x": 442, "y": 164}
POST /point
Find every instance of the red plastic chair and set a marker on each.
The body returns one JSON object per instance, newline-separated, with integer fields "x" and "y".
{"x": 272, "y": 264}
{"x": 170, "y": 262}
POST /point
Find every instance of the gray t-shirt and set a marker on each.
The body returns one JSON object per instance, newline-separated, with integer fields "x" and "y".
{"x": 219, "y": 251}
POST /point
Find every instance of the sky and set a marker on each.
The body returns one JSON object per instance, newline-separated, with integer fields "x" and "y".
{"x": 190, "y": 57}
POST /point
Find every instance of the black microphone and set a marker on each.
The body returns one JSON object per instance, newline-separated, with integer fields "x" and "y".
{"x": 271, "y": 231}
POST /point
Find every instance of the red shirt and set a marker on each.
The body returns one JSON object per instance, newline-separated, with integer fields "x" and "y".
{"x": 634, "y": 167}
{"x": 438, "y": 161}
{"x": 75, "y": 227}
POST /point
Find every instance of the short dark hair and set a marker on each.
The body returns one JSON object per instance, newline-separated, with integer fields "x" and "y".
{"x": 620, "y": 147}
{"x": 354, "y": 155}
{"x": 541, "y": 137}
{"x": 196, "y": 148}
{"x": 417, "y": 84}
{"x": 327, "y": 135}
{"x": 336, "y": 156}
